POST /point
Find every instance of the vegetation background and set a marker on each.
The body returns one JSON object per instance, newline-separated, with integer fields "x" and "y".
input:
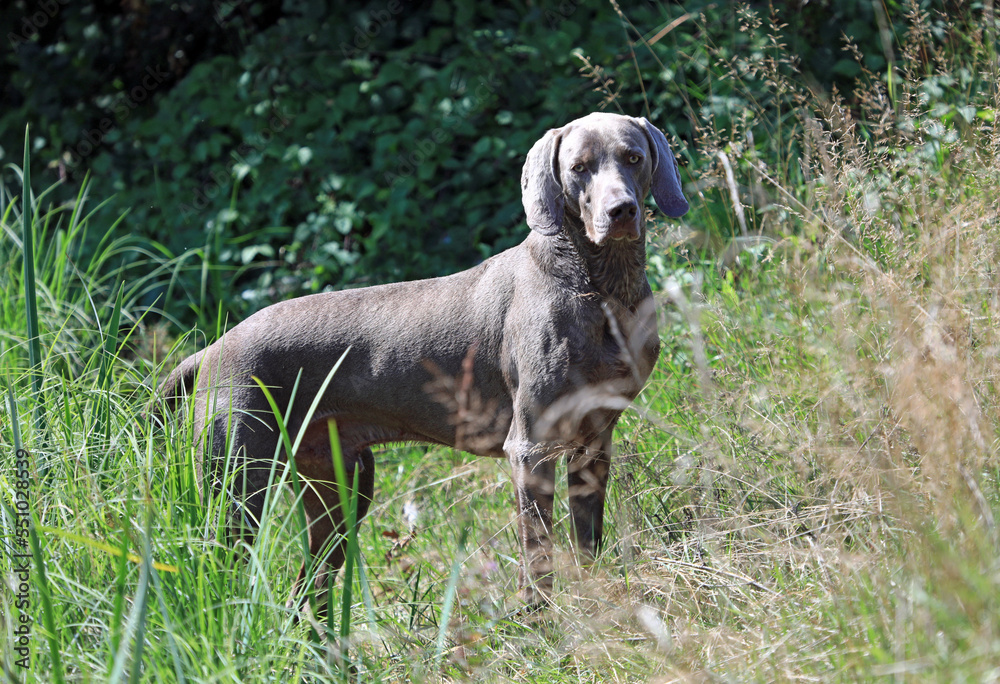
{"x": 292, "y": 147}
{"x": 809, "y": 485}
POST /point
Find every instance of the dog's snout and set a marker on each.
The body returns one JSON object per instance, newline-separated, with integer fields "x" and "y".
{"x": 623, "y": 209}
{"x": 622, "y": 219}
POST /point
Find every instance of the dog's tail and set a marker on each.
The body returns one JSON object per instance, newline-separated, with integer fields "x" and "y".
{"x": 177, "y": 385}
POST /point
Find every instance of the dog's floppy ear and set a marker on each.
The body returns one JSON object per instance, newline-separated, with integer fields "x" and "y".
{"x": 666, "y": 178}
{"x": 541, "y": 191}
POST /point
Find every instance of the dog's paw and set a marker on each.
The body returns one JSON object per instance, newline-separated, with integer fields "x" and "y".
{"x": 535, "y": 597}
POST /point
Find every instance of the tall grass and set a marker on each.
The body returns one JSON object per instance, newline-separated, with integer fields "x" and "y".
{"x": 808, "y": 488}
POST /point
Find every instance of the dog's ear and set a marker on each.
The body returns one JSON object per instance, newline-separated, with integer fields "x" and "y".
{"x": 666, "y": 179}
{"x": 541, "y": 191}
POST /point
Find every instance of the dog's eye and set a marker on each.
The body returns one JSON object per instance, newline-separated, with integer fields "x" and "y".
{"x": 634, "y": 159}
{"x": 579, "y": 168}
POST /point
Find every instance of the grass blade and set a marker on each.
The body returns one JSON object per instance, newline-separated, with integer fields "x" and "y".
{"x": 349, "y": 514}
{"x": 293, "y": 474}
{"x": 44, "y": 589}
{"x": 171, "y": 641}
{"x": 449, "y": 598}
{"x": 350, "y": 559}
{"x": 147, "y": 571}
{"x": 48, "y": 613}
{"x": 30, "y": 297}
{"x": 111, "y": 340}
{"x": 15, "y": 426}
{"x": 136, "y": 627}
{"x": 110, "y": 347}
{"x": 118, "y": 610}
{"x": 106, "y": 548}
{"x": 349, "y": 505}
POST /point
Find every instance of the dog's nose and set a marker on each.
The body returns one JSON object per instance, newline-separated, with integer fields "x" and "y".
{"x": 625, "y": 209}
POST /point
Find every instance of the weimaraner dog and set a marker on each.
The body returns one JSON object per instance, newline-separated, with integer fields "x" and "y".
{"x": 530, "y": 355}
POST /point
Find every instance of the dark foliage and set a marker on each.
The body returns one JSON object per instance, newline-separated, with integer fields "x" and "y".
{"x": 291, "y": 147}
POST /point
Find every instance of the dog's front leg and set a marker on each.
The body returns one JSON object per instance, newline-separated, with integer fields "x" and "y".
{"x": 533, "y": 469}
{"x": 587, "y": 475}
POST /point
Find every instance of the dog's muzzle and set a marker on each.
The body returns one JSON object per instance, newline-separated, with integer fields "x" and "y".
{"x": 622, "y": 221}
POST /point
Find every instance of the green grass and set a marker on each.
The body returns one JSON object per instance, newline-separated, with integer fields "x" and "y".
{"x": 807, "y": 488}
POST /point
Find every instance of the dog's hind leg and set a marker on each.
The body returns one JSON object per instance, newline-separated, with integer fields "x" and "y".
{"x": 243, "y": 467}
{"x": 321, "y": 499}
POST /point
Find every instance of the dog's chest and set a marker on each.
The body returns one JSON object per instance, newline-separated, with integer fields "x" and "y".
{"x": 623, "y": 349}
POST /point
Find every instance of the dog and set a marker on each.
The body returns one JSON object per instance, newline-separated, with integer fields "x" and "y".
{"x": 548, "y": 342}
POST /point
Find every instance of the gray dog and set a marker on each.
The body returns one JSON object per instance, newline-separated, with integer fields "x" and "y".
{"x": 530, "y": 355}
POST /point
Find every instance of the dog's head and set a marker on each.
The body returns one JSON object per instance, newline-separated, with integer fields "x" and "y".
{"x": 598, "y": 170}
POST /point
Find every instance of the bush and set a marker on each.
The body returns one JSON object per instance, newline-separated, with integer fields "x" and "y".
{"x": 283, "y": 152}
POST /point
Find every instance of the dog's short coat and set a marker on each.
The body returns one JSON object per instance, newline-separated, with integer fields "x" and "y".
{"x": 546, "y": 343}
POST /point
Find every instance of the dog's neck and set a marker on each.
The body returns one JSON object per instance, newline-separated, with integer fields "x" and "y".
{"x": 615, "y": 271}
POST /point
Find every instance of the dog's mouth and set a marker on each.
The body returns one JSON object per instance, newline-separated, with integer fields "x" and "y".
{"x": 625, "y": 230}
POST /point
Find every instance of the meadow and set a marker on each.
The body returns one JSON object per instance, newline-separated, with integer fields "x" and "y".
{"x": 807, "y": 489}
